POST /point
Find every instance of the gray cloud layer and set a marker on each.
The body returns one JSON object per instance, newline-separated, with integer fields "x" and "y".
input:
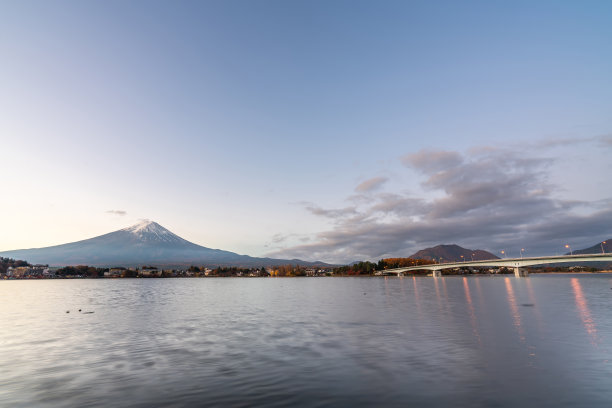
{"x": 117, "y": 212}
{"x": 492, "y": 199}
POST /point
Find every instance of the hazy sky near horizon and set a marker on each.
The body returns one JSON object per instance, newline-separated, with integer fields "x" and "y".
{"x": 331, "y": 130}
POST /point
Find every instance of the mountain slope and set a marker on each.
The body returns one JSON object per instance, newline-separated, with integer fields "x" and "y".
{"x": 144, "y": 243}
{"x": 453, "y": 253}
{"x": 596, "y": 249}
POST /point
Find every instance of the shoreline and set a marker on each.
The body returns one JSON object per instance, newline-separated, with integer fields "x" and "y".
{"x": 332, "y": 276}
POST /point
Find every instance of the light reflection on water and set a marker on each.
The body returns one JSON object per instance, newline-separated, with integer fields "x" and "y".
{"x": 516, "y": 316}
{"x": 472, "y": 314}
{"x": 452, "y": 341}
{"x": 583, "y": 309}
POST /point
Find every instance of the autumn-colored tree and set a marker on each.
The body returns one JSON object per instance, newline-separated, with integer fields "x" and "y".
{"x": 288, "y": 270}
{"x": 5, "y": 263}
{"x": 359, "y": 268}
{"x": 390, "y": 263}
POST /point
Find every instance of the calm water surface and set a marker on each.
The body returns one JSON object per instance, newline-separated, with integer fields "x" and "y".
{"x": 454, "y": 341}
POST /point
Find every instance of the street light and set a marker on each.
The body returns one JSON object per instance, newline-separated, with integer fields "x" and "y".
{"x": 570, "y": 248}
{"x": 503, "y": 253}
{"x": 602, "y": 247}
{"x": 522, "y": 250}
{"x": 472, "y": 257}
{"x": 462, "y": 259}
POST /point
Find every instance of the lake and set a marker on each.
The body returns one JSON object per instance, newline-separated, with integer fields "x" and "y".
{"x": 478, "y": 341}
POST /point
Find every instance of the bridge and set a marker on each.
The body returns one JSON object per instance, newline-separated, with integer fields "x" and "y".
{"x": 515, "y": 263}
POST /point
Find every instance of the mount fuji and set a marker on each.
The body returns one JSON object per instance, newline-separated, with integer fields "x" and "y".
{"x": 145, "y": 243}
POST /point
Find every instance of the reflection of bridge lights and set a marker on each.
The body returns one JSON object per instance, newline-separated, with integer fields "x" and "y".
{"x": 416, "y": 294}
{"x": 437, "y": 290}
{"x": 583, "y": 309}
{"x": 466, "y": 288}
{"x": 516, "y": 316}
{"x": 468, "y": 297}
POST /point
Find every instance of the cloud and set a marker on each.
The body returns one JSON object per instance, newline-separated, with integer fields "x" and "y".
{"x": 396, "y": 204}
{"x": 278, "y": 238}
{"x": 562, "y": 142}
{"x": 371, "y": 184}
{"x": 331, "y": 213}
{"x": 575, "y": 227}
{"x": 117, "y": 212}
{"x": 429, "y": 161}
{"x": 603, "y": 141}
{"x": 283, "y": 239}
{"x": 490, "y": 199}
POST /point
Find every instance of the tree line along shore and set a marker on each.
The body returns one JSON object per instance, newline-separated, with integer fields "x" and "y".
{"x": 19, "y": 269}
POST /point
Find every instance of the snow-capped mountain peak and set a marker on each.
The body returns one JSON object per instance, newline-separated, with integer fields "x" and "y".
{"x": 147, "y": 230}
{"x": 142, "y": 225}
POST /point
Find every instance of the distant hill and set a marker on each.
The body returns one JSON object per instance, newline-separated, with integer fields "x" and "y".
{"x": 453, "y": 253}
{"x": 146, "y": 243}
{"x": 596, "y": 249}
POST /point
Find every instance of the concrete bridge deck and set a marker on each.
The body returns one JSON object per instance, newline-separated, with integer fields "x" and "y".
{"x": 515, "y": 263}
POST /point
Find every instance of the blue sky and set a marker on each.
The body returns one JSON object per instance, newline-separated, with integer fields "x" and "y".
{"x": 333, "y": 130}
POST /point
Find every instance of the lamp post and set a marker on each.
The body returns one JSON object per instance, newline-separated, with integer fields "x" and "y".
{"x": 570, "y": 248}
{"x": 522, "y": 250}
{"x": 462, "y": 258}
{"x": 472, "y": 257}
{"x": 503, "y": 253}
{"x": 602, "y": 247}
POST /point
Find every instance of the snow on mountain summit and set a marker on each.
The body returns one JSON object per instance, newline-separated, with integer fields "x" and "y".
{"x": 147, "y": 230}
{"x": 142, "y": 225}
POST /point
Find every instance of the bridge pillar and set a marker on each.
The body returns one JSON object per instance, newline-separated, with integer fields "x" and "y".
{"x": 518, "y": 272}
{"x": 436, "y": 274}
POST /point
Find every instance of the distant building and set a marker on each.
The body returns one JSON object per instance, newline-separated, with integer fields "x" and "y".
{"x": 150, "y": 273}
{"x": 114, "y": 273}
